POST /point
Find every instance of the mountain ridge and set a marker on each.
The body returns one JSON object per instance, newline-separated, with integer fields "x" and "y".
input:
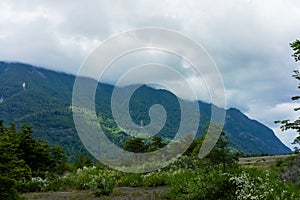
{"x": 45, "y": 104}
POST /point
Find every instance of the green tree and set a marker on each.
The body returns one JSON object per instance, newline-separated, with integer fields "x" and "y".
{"x": 59, "y": 162}
{"x": 11, "y": 167}
{"x": 194, "y": 148}
{"x": 82, "y": 160}
{"x": 38, "y": 155}
{"x": 21, "y": 157}
{"x": 136, "y": 145}
{"x": 221, "y": 154}
{"x": 156, "y": 143}
{"x": 288, "y": 124}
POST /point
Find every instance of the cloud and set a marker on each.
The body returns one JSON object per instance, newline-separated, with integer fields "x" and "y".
{"x": 248, "y": 40}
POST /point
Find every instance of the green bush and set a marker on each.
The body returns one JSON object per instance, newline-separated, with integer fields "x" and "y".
{"x": 256, "y": 184}
{"x": 35, "y": 184}
{"x": 82, "y": 177}
{"x": 130, "y": 180}
{"x": 234, "y": 183}
{"x": 57, "y": 183}
{"x": 157, "y": 178}
{"x": 102, "y": 184}
{"x": 201, "y": 184}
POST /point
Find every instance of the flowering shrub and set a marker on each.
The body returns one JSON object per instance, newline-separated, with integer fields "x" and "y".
{"x": 248, "y": 187}
{"x": 35, "y": 184}
{"x": 255, "y": 184}
{"x": 101, "y": 182}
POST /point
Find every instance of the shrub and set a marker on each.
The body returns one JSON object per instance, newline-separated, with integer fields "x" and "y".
{"x": 83, "y": 177}
{"x": 35, "y": 184}
{"x": 201, "y": 184}
{"x": 157, "y": 178}
{"x": 256, "y": 184}
{"x": 130, "y": 180}
{"x": 102, "y": 184}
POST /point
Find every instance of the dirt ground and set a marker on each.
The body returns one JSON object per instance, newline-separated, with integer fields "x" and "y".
{"x": 126, "y": 193}
{"x": 261, "y": 159}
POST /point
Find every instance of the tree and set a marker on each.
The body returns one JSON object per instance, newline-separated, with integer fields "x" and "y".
{"x": 221, "y": 154}
{"x": 59, "y": 161}
{"x": 82, "y": 161}
{"x": 38, "y": 155}
{"x": 21, "y": 157}
{"x": 288, "y": 124}
{"x": 136, "y": 145}
{"x": 11, "y": 167}
{"x": 156, "y": 143}
{"x": 194, "y": 148}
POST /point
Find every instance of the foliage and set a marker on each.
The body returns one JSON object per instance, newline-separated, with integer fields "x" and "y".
{"x": 221, "y": 153}
{"x": 234, "y": 183}
{"x": 153, "y": 179}
{"x": 82, "y": 161}
{"x": 136, "y": 145}
{"x": 156, "y": 143}
{"x": 287, "y": 124}
{"x": 256, "y": 184}
{"x": 45, "y": 105}
{"x": 11, "y": 167}
{"x": 21, "y": 157}
{"x": 130, "y": 180}
{"x": 35, "y": 184}
{"x": 139, "y": 145}
{"x": 101, "y": 182}
{"x": 296, "y": 48}
{"x": 205, "y": 182}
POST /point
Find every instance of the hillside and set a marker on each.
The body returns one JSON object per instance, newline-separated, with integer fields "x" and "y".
{"x": 44, "y": 102}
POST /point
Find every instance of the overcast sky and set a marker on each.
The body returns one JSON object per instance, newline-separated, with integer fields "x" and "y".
{"x": 247, "y": 39}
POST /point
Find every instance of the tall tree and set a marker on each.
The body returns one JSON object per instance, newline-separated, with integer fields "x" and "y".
{"x": 221, "y": 154}
{"x": 288, "y": 124}
{"x": 11, "y": 167}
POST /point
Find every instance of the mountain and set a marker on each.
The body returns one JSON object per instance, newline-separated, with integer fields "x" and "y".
{"x": 42, "y": 98}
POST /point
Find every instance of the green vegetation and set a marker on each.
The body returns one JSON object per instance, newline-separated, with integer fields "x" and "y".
{"x": 22, "y": 157}
{"x": 32, "y": 165}
{"x": 46, "y": 106}
{"x": 29, "y": 165}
